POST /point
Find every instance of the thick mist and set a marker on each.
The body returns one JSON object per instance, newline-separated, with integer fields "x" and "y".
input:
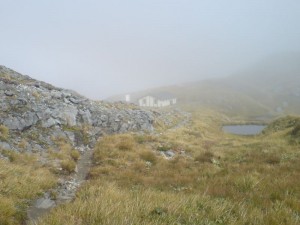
{"x": 102, "y": 48}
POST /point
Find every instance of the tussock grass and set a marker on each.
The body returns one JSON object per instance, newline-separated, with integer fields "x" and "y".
{"x": 214, "y": 178}
{"x": 148, "y": 156}
{"x": 205, "y": 157}
{"x": 107, "y": 203}
{"x": 65, "y": 153}
{"x": 4, "y": 133}
{"x": 131, "y": 166}
{"x": 20, "y": 180}
{"x": 68, "y": 165}
{"x": 114, "y": 205}
{"x": 75, "y": 154}
{"x": 23, "y": 144}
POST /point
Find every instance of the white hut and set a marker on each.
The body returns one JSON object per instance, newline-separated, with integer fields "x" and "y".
{"x": 157, "y": 100}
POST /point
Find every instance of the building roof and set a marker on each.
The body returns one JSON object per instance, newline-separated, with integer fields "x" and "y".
{"x": 161, "y": 95}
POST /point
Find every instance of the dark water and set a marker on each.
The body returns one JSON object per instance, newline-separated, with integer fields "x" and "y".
{"x": 243, "y": 129}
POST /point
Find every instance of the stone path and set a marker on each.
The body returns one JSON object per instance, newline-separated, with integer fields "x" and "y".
{"x": 66, "y": 190}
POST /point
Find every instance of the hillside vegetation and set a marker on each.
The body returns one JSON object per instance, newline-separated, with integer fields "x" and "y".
{"x": 263, "y": 91}
{"x": 191, "y": 175}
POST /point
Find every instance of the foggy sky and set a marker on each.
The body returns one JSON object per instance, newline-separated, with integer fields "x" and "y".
{"x": 101, "y": 48}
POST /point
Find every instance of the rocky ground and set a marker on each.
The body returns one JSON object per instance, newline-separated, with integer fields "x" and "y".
{"x": 35, "y": 113}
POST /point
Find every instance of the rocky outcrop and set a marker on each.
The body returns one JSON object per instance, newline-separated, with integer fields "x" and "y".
{"x": 36, "y": 113}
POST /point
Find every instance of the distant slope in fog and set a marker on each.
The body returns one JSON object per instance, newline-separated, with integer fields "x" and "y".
{"x": 274, "y": 83}
{"x": 270, "y": 87}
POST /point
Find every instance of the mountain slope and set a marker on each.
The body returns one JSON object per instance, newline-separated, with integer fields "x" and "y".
{"x": 38, "y": 113}
{"x": 268, "y": 88}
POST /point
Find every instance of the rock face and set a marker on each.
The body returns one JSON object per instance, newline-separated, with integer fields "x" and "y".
{"x": 36, "y": 112}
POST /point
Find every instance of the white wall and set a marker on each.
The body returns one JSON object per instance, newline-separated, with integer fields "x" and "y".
{"x": 127, "y": 98}
{"x": 149, "y": 101}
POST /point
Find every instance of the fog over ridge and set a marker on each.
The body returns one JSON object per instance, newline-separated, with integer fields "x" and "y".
{"x": 101, "y": 48}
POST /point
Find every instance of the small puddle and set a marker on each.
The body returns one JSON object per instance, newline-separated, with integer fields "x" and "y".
{"x": 65, "y": 191}
{"x": 248, "y": 129}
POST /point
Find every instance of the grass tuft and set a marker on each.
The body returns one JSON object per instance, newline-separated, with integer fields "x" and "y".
{"x": 4, "y": 133}
{"x": 68, "y": 165}
{"x": 148, "y": 156}
{"x": 21, "y": 179}
{"x": 205, "y": 157}
{"x": 75, "y": 154}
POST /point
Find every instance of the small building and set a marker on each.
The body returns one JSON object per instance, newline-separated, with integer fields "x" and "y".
{"x": 157, "y": 100}
{"x": 127, "y": 98}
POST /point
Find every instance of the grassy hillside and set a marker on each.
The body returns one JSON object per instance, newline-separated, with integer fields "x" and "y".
{"x": 270, "y": 87}
{"x": 212, "y": 178}
{"x": 267, "y": 89}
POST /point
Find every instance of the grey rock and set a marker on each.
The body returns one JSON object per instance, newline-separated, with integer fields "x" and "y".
{"x": 56, "y": 94}
{"x": 74, "y": 100}
{"x": 66, "y": 94}
{"x": 44, "y": 203}
{"x": 170, "y": 153}
{"x": 71, "y": 136}
{"x": 67, "y": 115}
{"x": 22, "y": 101}
{"x": 22, "y": 122}
{"x": 85, "y": 116}
{"x": 37, "y": 148}
{"x": 4, "y": 145}
{"x": 104, "y": 118}
{"x": 124, "y": 127}
{"x": 9, "y": 93}
{"x": 12, "y": 123}
{"x": 30, "y": 119}
{"x": 49, "y": 123}
{"x": 41, "y": 113}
